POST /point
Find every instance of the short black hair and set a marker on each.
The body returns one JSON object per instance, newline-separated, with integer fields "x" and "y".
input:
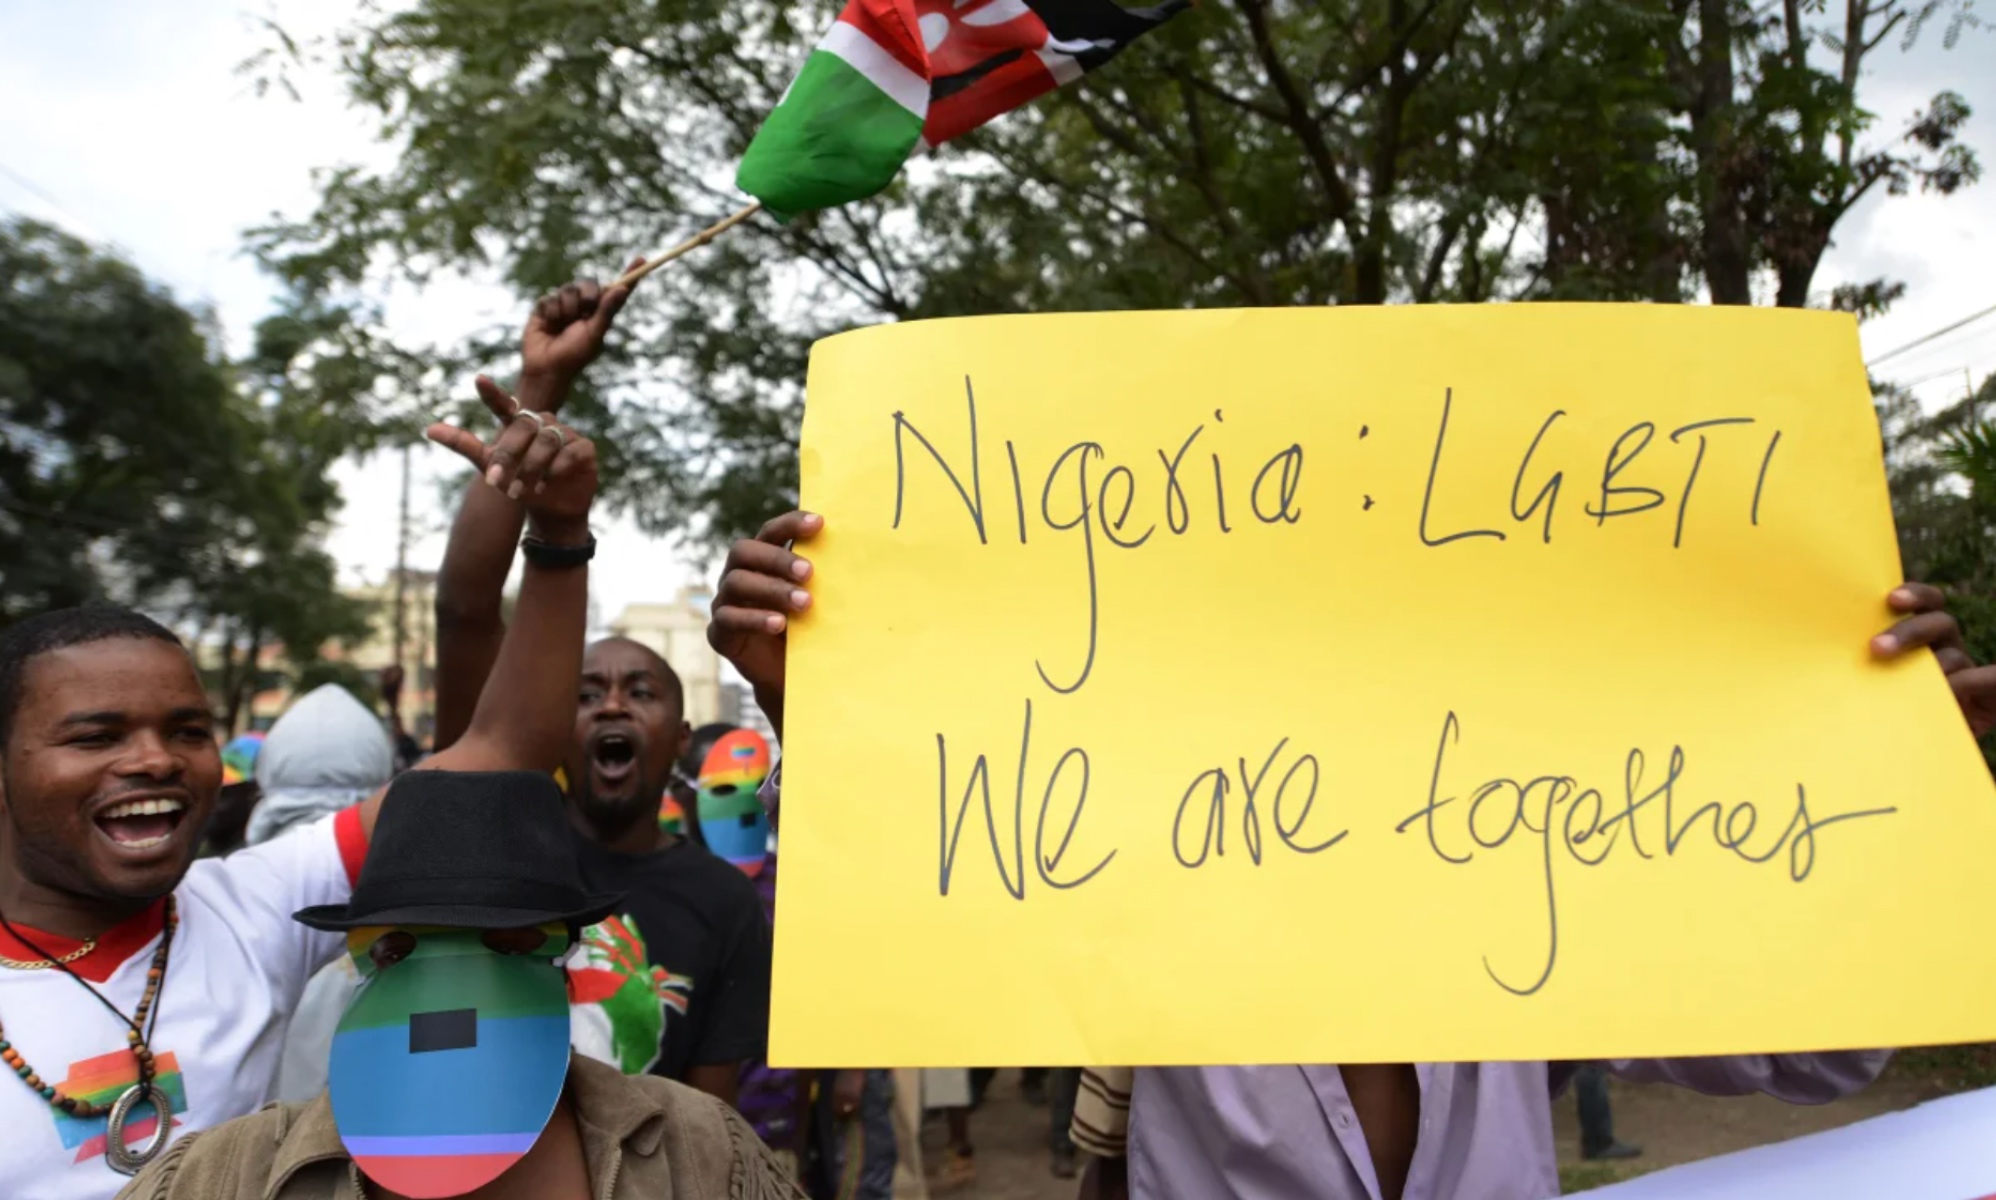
{"x": 24, "y": 641}
{"x": 667, "y": 676}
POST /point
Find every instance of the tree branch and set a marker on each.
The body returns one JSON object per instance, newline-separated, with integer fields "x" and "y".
{"x": 1301, "y": 121}
{"x": 1202, "y": 180}
{"x": 1133, "y": 216}
{"x": 1185, "y": 75}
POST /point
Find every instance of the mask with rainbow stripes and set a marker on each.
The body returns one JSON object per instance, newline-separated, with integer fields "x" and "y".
{"x": 449, "y": 1060}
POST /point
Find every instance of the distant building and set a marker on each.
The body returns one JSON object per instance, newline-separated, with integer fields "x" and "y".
{"x": 676, "y": 629}
{"x": 419, "y": 641}
{"x": 419, "y": 645}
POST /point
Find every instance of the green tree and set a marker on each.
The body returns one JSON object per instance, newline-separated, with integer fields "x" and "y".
{"x": 1941, "y": 467}
{"x": 1776, "y": 131}
{"x": 135, "y": 468}
{"x": 1252, "y": 152}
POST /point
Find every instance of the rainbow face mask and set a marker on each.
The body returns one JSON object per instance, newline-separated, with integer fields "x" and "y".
{"x": 449, "y": 1060}
{"x": 732, "y": 819}
{"x": 671, "y": 815}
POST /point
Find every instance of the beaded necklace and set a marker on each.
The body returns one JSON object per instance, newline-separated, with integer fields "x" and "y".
{"x": 138, "y": 1031}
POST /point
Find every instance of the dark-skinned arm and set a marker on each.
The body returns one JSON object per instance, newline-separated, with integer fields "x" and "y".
{"x": 526, "y": 711}
{"x": 564, "y": 334}
{"x": 470, "y": 622}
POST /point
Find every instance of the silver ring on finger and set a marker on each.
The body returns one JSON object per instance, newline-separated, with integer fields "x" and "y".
{"x": 540, "y": 422}
{"x": 560, "y": 434}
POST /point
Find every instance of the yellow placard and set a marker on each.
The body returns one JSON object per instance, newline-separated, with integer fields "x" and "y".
{"x": 1346, "y": 685}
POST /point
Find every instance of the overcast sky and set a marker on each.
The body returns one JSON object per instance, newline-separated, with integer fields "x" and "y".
{"x": 124, "y": 121}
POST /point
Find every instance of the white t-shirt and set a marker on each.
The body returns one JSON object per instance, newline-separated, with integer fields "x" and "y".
{"x": 238, "y": 965}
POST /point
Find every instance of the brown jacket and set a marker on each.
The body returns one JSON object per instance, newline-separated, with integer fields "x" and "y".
{"x": 644, "y": 1139}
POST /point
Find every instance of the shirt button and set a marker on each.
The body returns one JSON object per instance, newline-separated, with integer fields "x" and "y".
{"x": 1344, "y": 1120}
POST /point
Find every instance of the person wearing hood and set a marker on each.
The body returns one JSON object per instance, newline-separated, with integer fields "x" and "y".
{"x": 326, "y": 753}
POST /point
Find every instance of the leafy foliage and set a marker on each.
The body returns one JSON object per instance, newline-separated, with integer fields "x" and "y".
{"x": 134, "y": 468}
{"x": 1252, "y": 152}
{"x": 1941, "y": 468}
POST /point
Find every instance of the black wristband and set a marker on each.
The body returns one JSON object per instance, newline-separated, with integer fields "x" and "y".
{"x": 550, "y": 556}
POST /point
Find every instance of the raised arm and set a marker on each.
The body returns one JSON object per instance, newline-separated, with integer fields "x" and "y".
{"x": 470, "y": 625}
{"x": 526, "y": 711}
{"x": 564, "y": 334}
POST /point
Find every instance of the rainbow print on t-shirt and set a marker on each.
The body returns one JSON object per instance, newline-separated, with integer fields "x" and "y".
{"x": 102, "y": 1080}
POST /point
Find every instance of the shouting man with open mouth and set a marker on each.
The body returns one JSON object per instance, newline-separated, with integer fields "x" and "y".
{"x": 677, "y": 981}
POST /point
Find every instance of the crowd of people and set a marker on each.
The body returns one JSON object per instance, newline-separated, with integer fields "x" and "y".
{"x": 534, "y": 960}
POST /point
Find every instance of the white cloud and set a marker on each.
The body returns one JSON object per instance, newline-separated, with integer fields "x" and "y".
{"x": 126, "y": 122}
{"x": 1943, "y": 248}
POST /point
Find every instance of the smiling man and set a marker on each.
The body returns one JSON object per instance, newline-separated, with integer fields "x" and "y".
{"x": 127, "y": 969}
{"x": 691, "y": 924}
{"x": 144, "y": 994}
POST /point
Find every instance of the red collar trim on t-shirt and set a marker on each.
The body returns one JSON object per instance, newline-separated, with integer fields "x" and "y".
{"x": 114, "y": 946}
{"x": 119, "y": 943}
{"x": 352, "y": 841}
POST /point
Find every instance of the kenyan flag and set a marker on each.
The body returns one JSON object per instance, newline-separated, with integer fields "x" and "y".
{"x": 892, "y": 75}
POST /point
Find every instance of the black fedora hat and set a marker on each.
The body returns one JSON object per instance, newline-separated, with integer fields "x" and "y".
{"x": 471, "y": 850}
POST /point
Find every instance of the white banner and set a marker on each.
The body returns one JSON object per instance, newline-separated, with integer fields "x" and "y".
{"x": 1945, "y": 1150}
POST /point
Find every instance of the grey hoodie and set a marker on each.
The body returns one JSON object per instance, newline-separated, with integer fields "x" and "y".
{"x": 327, "y": 752}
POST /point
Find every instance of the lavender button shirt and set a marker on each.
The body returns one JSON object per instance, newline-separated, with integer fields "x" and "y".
{"x": 1290, "y": 1133}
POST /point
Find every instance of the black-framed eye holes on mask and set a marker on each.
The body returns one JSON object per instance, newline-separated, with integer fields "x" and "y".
{"x": 514, "y": 941}
{"x": 397, "y": 944}
{"x": 391, "y": 948}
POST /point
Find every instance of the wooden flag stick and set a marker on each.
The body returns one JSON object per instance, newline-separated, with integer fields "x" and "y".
{"x": 690, "y": 244}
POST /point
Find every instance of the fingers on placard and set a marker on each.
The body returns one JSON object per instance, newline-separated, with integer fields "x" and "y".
{"x": 753, "y": 589}
{"x": 747, "y": 620}
{"x": 498, "y": 400}
{"x": 1935, "y": 629}
{"x": 1916, "y": 598}
{"x": 768, "y": 559}
{"x": 790, "y": 527}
